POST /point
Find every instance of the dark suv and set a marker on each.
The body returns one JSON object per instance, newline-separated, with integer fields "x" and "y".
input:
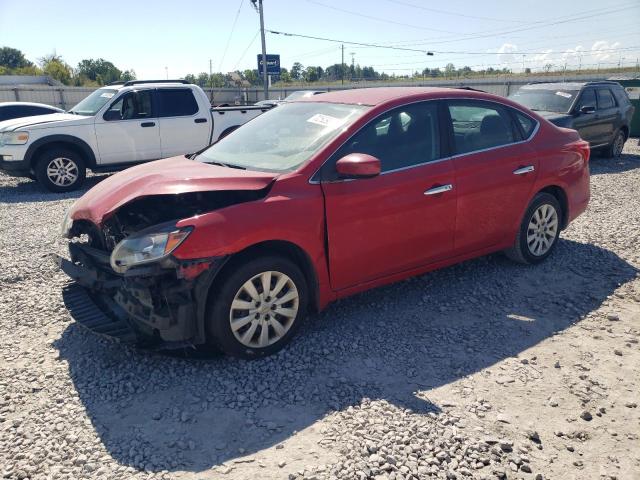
{"x": 600, "y": 111}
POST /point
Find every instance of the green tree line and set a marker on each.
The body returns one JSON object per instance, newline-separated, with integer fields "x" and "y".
{"x": 89, "y": 72}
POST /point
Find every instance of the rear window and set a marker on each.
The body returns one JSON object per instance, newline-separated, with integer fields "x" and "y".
{"x": 545, "y": 100}
{"x": 621, "y": 95}
{"x": 176, "y": 102}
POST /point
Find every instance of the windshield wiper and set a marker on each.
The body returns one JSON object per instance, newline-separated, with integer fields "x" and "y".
{"x": 228, "y": 165}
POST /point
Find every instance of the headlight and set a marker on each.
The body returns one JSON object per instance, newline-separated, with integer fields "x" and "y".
{"x": 144, "y": 247}
{"x": 14, "y": 138}
{"x": 67, "y": 223}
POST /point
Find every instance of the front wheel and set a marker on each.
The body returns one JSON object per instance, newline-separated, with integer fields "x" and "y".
{"x": 60, "y": 170}
{"x": 539, "y": 230}
{"x": 257, "y": 307}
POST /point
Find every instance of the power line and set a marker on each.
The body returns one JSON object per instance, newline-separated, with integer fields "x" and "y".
{"x": 286, "y": 34}
{"x": 233, "y": 27}
{"x": 445, "y": 12}
{"x": 446, "y": 52}
{"x": 533, "y": 25}
{"x": 379, "y": 19}
{"x": 246, "y": 50}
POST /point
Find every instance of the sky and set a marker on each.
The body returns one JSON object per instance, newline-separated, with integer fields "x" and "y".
{"x": 161, "y": 37}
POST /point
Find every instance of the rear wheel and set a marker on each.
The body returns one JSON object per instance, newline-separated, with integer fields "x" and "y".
{"x": 614, "y": 150}
{"x": 256, "y": 309}
{"x": 539, "y": 230}
{"x": 60, "y": 170}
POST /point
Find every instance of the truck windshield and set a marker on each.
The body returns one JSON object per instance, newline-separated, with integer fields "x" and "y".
{"x": 282, "y": 139}
{"x": 94, "y": 102}
{"x": 558, "y": 101}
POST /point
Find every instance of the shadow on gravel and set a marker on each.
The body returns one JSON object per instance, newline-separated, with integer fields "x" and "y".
{"x": 157, "y": 412}
{"x": 602, "y": 165}
{"x": 31, "y": 191}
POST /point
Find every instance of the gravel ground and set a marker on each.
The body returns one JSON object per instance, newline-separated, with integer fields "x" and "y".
{"x": 483, "y": 370}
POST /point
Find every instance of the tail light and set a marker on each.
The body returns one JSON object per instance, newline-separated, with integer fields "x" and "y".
{"x": 584, "y": 150}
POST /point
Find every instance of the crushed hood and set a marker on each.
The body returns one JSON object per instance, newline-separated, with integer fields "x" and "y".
{"x": 176, "y": 175}
{"x": 41, "y": 120}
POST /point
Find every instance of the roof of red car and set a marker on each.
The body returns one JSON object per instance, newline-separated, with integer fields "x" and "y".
{"x": 376, "y": 96}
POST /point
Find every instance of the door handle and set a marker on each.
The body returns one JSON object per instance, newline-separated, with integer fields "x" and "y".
{"x": 200, "y": 120}
{"x": 148, "y": 124}
{"x": 440, "y": 189}
{"x": 523, "y": 170}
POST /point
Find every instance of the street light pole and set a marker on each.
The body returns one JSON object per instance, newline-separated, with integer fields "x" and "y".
{"x": 264, "y": 51}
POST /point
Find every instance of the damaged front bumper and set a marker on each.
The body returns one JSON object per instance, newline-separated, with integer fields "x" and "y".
{"x": 158, "y": 305}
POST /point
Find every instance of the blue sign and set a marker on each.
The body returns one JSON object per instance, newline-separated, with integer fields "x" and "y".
{"x": 273, "y": 64}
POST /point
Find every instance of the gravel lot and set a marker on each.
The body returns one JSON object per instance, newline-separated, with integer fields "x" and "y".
{"x": 483, "y": 370}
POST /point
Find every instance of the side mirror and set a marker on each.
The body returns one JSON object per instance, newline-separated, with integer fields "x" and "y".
{"x": 358, "y": 165}
{"x": 588, "y": 109}
{"x": 110, "y": 115}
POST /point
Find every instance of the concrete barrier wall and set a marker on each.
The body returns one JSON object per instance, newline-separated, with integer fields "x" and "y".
{"x": 67, "y": 97}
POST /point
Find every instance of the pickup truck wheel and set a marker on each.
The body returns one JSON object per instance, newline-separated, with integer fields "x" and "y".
{"x": 615, "y": 149}
{"x": 257, "y": 308}
{"x": 539, "y": 230}
{"x": 60, "y": 170}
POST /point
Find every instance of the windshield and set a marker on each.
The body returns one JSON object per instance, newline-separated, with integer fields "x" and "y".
{"x": 94, "y": 102}
{"x": 558, "y": 101}
{"x": 282, "y": 139}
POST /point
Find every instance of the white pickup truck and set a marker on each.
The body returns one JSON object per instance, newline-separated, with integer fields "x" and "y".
{"x": 115, "y": 127}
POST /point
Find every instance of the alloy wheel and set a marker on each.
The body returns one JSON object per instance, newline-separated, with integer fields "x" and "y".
{"x": 264, "y": 309}
{"x": 542, "y": 230}
{"x": 618, "y": 145}
{"x": 62, "y": 171}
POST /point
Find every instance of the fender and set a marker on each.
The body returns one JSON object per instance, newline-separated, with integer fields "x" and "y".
{"x": 83, "y": 146}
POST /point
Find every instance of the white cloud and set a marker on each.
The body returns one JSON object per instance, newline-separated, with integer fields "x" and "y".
{"x": 601, "y": 50}
{"x": 507, "y": 54}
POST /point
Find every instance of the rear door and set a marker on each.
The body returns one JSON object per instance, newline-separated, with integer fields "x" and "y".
{"x": 495, "y": 171}
{"x": 183, "y": 128}
{"x": 396, "y": 221}
{"x": 608, "y": 115}
{"x": 128, "y": 131}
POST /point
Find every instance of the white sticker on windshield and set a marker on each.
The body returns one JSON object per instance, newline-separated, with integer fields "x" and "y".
{"x": 107, "y": 95}
{"x": 564, "y": 94}
{"x": 324, "y": 120}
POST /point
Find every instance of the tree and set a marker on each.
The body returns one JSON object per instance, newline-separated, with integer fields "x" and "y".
{"x": 58, "y": 70}
{"x": 449, "y": 69}
{"x": 202, "y": 80}
{"x": 311, "y": 74}
{"x": 191, "y": 78}
{"x": 99, "y": 70}
{"x": 296, "y": 71}
{"x": 11, "y": 58}
{"x": 128, "y": 75}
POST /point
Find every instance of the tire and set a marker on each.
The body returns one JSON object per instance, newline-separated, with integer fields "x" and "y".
{"x": 60, "y": 170}
{"x": 614, "y": 150}
{"x": 534, "y": 246}
{"x": 245, "y": 339}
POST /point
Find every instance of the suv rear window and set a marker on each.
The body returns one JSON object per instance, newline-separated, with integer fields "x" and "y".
{"x": 176, "y": 102}
{"x": 621, "y": 95}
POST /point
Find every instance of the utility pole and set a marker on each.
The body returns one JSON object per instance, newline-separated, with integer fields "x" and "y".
{"x": 210, "y": 82}
{"x": 523, "y": 62}
{"x": 264, "y": 49}
{"x": 166, "y": 71}
{"x": 342, "y": 65}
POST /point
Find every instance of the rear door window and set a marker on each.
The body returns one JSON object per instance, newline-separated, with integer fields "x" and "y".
{"x": 527, "y": 124}
{"x": 176, "y": 102}
{"x": 605, "y": 99}
{"x": 479, "y": 125}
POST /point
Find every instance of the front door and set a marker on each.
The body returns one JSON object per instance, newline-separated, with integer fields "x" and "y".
{"x": 401, "y": 219}
{"x": 129, "y": 130}
{"x": 587, "y": 123}
{"x": 495, "y": 172}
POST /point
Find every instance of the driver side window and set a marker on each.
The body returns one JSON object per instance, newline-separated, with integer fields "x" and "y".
{"x": 587, "y": 99}
{"x": 131, "y": 106}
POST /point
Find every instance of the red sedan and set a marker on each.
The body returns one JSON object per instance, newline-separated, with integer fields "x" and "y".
{"x": 313, "y": 201}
